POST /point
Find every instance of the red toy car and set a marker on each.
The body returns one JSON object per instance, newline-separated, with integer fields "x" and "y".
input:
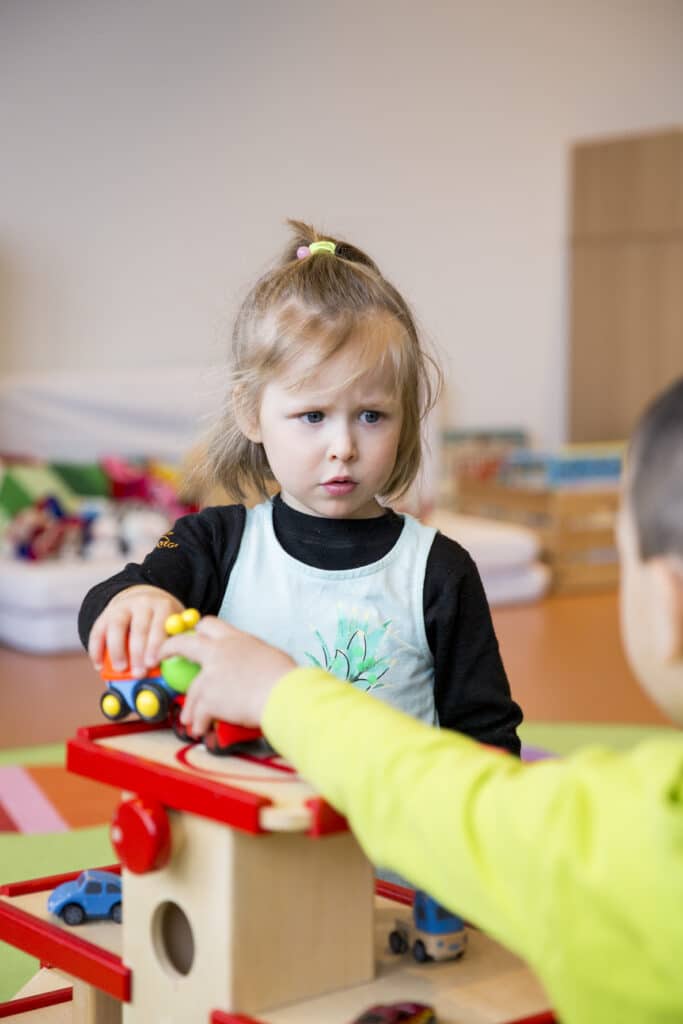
{"x": 397, "y": 1013}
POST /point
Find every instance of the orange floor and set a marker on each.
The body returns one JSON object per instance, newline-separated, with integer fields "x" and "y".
{"x": 565, "y": 662}
{"x": 563, "y": 658}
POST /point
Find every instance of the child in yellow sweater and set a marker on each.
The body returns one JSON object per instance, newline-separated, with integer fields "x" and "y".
{"x": 575, "y": 864}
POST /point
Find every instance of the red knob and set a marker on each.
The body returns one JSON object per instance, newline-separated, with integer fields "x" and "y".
{"x": 141, "y": 835}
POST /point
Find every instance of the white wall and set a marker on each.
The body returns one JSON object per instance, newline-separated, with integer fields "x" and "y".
{"x": 151, "y": 151}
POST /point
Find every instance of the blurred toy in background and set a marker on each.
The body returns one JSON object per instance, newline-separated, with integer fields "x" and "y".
{"x": 127, "y": 479}
{"x": 159, "y": 695}
{"x": 147, "y": 481}
{"x": 93, "y": 895}
{"x": 118, "y": 506}
{"x": 140, "y": 529}
{"x": 398, "y": 1013}
{"x": 127, "y": 529}
{"x": 45, "y": 530}
{"x": 435, "y": 933}
{"x": 103, "y": 537}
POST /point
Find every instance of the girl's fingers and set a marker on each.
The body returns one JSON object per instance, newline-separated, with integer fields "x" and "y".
{"x": 194, "y": 722}
{"x": 96, "y": 644}
{"x": 137, "y": 638}
{"x": 156, "y": 634}
{"x": 200, "y": 723}
{"x": 116, "y": 638}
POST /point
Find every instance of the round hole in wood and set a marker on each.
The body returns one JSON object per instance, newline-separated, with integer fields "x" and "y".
{"x": 173, "y": 938}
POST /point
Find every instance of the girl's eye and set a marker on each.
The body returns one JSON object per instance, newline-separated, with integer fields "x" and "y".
{"x": 370, "y": 416}
{"x": 312, "y": 417}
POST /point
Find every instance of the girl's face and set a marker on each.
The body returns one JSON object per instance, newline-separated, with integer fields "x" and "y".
{"x": 331, "y": 446}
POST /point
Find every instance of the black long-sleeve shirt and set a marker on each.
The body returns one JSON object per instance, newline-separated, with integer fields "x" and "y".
{"x": 471, "y": 691}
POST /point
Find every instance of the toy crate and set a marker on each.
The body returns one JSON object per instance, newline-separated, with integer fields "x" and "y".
{"x": 575, "y": 526}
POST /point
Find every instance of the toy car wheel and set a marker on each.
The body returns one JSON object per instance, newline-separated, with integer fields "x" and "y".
{"x": 211, "y": 742}
{"x": 113, "y": 706}
{"x": 397, "y": 942}
{"x": 116, "y": 914}
{"x": 73, "y": 914}
{"x": 180, "y": 730}
{"x": 419, "y": 951}
{"x": 151, "y": 702}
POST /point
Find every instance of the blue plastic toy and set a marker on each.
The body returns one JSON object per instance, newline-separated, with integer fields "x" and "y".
{"x": 94, "y": 894}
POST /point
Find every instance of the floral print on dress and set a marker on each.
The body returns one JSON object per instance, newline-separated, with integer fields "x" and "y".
{"x": 355, "y": 655}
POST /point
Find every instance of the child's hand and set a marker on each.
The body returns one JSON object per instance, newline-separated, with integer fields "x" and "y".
{"x": 238, "y": 671}
{"x": 132, "y": 625}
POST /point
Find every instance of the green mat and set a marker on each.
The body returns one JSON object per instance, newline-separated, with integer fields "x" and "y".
{"x": 33, "y": 856}
{"x": 564, "y": 737}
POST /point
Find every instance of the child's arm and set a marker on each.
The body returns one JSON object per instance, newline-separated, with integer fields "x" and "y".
{"x": 190, "y": 565}
{"x": 472, "y": 826}
{"x": 471, "y": 689}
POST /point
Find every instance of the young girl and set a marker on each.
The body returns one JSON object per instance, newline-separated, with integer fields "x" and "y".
{"x": 329, "y": 387}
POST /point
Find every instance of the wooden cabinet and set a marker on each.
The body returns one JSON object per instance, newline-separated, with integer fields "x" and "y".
{"x": 626, "y": 265}
{"x": 575, "y": 527}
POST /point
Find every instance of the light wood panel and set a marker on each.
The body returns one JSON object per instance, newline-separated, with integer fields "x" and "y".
{"x": 627, "y": 186}
{"x": 626, "y": 295}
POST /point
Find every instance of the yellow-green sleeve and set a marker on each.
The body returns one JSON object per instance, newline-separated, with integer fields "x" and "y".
{"x": 561, "y": 860}
{"x": 414, "y": 796}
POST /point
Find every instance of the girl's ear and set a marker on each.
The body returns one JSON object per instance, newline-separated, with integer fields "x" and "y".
{"x": 247, "y": 421}
{"x": 666, "y": 593}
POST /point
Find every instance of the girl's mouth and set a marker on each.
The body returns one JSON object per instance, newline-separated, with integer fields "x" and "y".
{"x": 339, "y": 487}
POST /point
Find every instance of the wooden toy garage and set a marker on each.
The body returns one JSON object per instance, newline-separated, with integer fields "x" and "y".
{"x": 246, "y": 900}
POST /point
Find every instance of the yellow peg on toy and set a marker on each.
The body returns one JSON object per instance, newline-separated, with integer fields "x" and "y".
{"x": 177, "y": 670}
{"x": 181, "y": 622}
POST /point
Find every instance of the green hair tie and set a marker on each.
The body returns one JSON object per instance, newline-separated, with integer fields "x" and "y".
{"x": 315, "y": 247}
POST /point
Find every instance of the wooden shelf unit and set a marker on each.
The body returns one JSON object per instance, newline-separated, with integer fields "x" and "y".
{"x": 575, "y": 527}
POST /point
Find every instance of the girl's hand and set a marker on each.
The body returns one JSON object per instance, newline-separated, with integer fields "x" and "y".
{"x": 238, "y": 672}
{"x": 132, "y": 627}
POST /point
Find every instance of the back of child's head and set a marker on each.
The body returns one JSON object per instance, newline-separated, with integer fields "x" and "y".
{"x": 654, "y": 477}
{"x": 316, "y": 301}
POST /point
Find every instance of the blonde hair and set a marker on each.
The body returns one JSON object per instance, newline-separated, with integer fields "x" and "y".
{"x": 312, "y": 307}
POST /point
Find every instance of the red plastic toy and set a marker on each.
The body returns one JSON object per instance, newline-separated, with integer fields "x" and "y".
{"x": 398, "y": 1013}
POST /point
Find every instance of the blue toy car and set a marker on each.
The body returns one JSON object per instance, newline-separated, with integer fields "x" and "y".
{"x": 94, "y": 894}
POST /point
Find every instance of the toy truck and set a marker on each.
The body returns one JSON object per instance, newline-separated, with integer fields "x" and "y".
{"x": 434, "y": 934}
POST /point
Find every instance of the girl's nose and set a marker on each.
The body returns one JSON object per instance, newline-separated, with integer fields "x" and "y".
{"x": 343, "y": 445}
